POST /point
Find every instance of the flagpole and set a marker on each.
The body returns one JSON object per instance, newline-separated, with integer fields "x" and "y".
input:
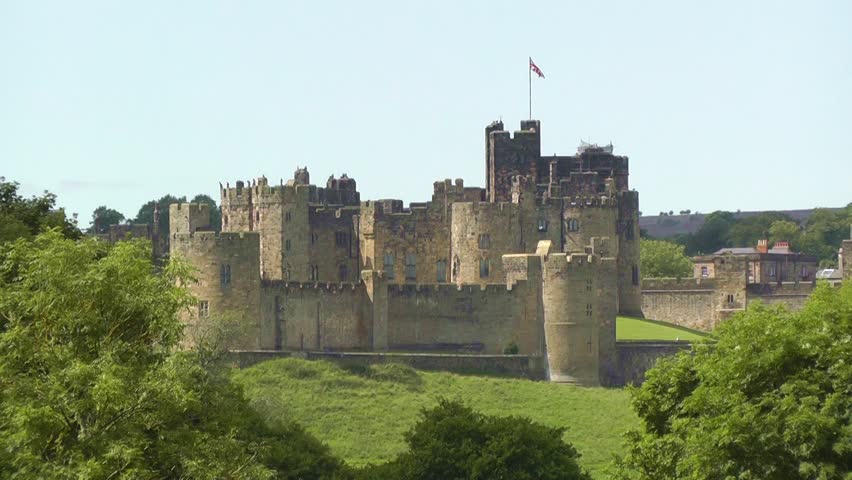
{"x": 529, "y": 73}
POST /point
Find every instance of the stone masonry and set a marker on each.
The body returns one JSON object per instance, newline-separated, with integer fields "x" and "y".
{"x": 542, "y": 258}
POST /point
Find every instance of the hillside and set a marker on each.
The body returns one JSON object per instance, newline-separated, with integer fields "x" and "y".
{"x": 363, "y": 413}
{"x": 665, "y": 226}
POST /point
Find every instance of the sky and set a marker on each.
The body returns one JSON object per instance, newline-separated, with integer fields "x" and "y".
{"x": 726, "y": 105}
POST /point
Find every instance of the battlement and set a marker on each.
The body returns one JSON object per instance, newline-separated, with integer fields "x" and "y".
{"x": 220, "y": 238}
{"x": 189, "y": 217}
{"x": 331, "y": 287}
{"x": 391, "y": 208}
{"x": 433, "y": 288}
{"x": 592, "y": 201}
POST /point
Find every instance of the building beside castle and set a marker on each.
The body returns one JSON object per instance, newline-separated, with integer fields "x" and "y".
{"x": 542, "y": 258}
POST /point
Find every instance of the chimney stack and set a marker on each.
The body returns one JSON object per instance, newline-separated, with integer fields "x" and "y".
{"x": 782, "y": 247}
{"x": 762, "y": 246}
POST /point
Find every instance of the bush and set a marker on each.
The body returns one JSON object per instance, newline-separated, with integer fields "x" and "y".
{"x": 452, "y": 441}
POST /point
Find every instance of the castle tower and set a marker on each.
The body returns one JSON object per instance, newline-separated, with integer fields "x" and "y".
{"x": 579, "y": 297}
{"x": 227, "y": 272}
{"x": 508, "y": 156}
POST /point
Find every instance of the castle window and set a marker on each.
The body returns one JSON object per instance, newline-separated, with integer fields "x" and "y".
{"x": 287, "y": 244}
{"x": 314, "y": 238}
{"x": 573, "y": 225}
{"x": 484, "y": 268}
{"x": 635, "y": 274}
{"x": 730, "y": 298}
{"x": 441, "y": 271}
{"x": 224, "y": 275}
{"x": 588, "y": 309}
{"x": 542, "y": 225}
{"x": 804, "y": 271}
{"x": 225, "y": 220}
{"x": 705, "y": 272}
{"x": 343, "y": 273}
{"x": 341, "y": 239}
{"x": 588, "y": 285}
{"x": 411, "y": 266}
{"x": 771, "y": 270}
{"x": 388, "y": 265}
{"x": 287, "y": 216}
{"x": 203, "y": 309}
{"x": 484, "y": 241}
{"x": 314, "y": 273}
{"x": 257, "y": 216}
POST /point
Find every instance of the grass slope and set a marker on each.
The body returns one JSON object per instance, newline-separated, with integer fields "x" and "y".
{"x": 363, "y": 413}
{"x": 627, "y": 328}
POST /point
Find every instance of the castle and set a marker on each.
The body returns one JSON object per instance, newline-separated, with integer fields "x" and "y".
{"x": 539, "y": 261}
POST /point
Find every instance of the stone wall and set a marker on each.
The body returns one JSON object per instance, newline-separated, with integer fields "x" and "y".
{"x": 228, "y": 282}
{"x": 635, "y": 358}
{"x": 484, "y": 319}
{"x": 310, "y": 316}
{"x": 688, "y": 302}
{"x": 793, "y": 295}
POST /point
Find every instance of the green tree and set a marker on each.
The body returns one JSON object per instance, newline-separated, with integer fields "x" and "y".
{"x": 785, "y": 230}
{"x": 452, "y": 441}
{"x": 25, "y": 217}
{"x": 215, "y": 211}
{"x": 103, "y": 217}
{"x": 146, "y": 212}
{"x": 712, "y": 235}
{"x": 745, "y": 232}
{"x": 92, "y": 385}
{"x": 771, "y": 400}
{"x": 664, "y": 259}
{"x": 824, "y": 232}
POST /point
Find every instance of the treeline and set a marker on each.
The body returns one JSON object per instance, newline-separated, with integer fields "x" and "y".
{"x": 104, "y": 216}
{"x": 820, "y": 235}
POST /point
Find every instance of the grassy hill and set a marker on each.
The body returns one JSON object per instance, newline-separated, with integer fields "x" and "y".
{"x": 362, "y": 414}
{"x": 627, "y": 328}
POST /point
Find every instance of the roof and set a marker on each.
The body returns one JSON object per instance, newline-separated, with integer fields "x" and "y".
{"x": 829, "y": 274}
{"x": 752, "y": 250}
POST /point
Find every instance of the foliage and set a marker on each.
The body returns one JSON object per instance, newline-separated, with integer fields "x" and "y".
{"x": 91, "y": 385}
{"x": 215, "y": 211}
{"x": 452, "y": 441}
{"x": 820, "y": 236}
{"x": 664, "y": 259}
{"x": 103, "y": 217}
{"x": 712, "y": 235}
{"x": 771, "y": 400}
{"x": 25, "y": 217}
{"x": 364, "y": 413}
{"x": 146, "y": 212}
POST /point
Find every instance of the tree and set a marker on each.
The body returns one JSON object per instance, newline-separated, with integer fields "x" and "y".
{"x": 215, "y": 212}
{"x": 103, "y": 217}
{"x": 712, "y": 235}
{"x": 663, "y": 259}
{"x": 92, "y": 386}
{"x": 452, "y": 441}
{"x": 745, "y": 232}
{"x": 771, "y": 400}
{"x": 25, "y": 217}
{"x": 785, "y": 230}
{"x": 146, "y": 212}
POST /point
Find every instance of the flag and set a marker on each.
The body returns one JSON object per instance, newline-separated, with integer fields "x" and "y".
{"x": 535, "y": 69}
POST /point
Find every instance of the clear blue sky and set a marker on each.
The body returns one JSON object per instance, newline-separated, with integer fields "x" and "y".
{"x": 719, "y": 105}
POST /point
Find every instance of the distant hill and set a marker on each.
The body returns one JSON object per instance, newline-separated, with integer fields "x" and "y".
{"x": 664, "y": 226}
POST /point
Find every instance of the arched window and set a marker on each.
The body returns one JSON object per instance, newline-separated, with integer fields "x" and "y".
{"x": 573, "y": 225}
{"x": 441, "y": 271}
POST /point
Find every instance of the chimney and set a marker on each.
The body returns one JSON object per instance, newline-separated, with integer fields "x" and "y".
{"x": 762, "y": 246}
{"x": 782, "y": 247}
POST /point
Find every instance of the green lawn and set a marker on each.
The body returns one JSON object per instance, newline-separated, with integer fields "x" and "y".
{"x": 362, "y": 414}
{"x": 627, "y": 328}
